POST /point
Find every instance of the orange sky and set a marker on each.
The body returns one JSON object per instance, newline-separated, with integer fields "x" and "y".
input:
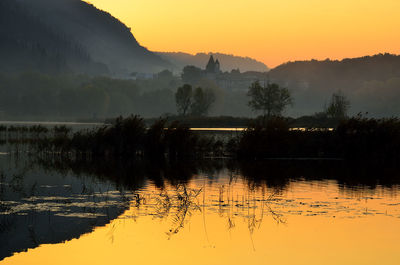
{"x": 272, "y": 31}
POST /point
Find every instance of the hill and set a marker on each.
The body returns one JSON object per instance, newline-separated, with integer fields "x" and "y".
{"x": 48, "y": 33}
{"x": 372, "y": 83}
{"x": 27, "y": 44}
{"x": 228, "y": 61}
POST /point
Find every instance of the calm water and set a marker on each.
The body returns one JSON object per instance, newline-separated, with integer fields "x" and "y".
{"x": 51, "y": 123}
{"x": 115, "y": 214}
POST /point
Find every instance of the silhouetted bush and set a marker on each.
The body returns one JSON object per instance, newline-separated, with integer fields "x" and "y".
{"x": 266, "y": 138}
{"x": 207, "y": 122}
{"x": 181, "y": 142}
{"x": 129, "y": 137}
{"x": 155, "y": 143}
{"x": 354, "y": 139}
{"x": 377, "y": 140}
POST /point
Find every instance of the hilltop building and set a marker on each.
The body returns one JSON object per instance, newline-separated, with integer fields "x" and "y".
{"x": 213, "y": 67}
{"x": 233, "y": 80}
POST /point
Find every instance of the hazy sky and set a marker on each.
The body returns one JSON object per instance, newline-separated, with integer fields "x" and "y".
{"x": 272, "y": 31}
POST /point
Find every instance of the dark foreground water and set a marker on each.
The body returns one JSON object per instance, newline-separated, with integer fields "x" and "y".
{"x": 214, "y": 212}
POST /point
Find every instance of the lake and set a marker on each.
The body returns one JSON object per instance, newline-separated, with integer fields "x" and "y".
{"x": 208, "y": 212}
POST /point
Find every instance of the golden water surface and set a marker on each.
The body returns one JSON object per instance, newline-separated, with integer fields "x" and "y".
{"x": 230, "y": 221}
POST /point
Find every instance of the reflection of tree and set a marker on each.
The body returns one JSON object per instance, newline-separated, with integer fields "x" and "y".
{"x": 182, "y": 202}
{"x": 163, "y": 205}
{"x": 263, "y": 183}
{"x": 255, "y": 207}
{"x": 186, "y": 205}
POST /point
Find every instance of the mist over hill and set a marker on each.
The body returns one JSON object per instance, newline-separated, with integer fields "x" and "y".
{"x": 70, "y": 34}
{"x": 28, "y": 44}
{"x": 228, "y": 61}
{"x": 372, "y": 83}
{"x": 60, "y": 39}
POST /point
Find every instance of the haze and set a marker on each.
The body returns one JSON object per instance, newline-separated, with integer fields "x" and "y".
{"x": 271, "y": 31}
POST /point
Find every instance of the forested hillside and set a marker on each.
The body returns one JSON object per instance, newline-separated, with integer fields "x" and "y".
{"x": 27, "y": 44}
{"x": 105, "y": 38}
{"x": 372, "y": 83}
{"x": 55, "y": 36}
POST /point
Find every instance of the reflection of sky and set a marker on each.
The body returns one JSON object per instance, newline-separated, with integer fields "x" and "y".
{"x": 306, "y": 198}
{"x": 41, "y": 207}
{"x": 229, "y": 221}
{"x": 80, "y": 206}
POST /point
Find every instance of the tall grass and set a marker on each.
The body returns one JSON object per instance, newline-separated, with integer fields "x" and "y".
{"x": 357, "y": 138}
{"x": 126, "y": 138}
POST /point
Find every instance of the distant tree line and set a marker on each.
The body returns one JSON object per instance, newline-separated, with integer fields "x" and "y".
{"x": 71, "y": 97}
{"x": 33, "y": 95}
{"x": 38, "y": 96}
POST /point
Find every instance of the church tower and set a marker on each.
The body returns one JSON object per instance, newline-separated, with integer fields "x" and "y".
{"x": 210, "y": 68}
{"x": 213, "y": 67}
{"x": 217, "y": 67}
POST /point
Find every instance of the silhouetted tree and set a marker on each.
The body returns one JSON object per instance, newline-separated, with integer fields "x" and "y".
{"x": 338, "y": 106}
{"x": 183, "y": 99}
{"x": 202, "y": 101}
{"x": 270, "y": 99}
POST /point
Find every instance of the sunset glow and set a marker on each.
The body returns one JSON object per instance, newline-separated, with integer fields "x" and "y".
{"x": 207, "y": 236}
{"x": 199, "y": 132}
{"x": 271, "y": 31}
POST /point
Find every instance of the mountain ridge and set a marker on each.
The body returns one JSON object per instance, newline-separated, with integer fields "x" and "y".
{"x": 27, "y": 44}
{"x": 106, "y": 38}
{"x": 372, "y": 83}
{"x": 100, "y": 37}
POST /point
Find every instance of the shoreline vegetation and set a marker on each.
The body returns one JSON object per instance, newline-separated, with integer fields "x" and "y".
{"x": 311, "y": 121}
{"x": 353, "y": 139}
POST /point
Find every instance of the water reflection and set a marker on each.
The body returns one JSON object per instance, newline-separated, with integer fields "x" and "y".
{"x": 40, "y": 207}
{"x": 204, "y": 212}
{"x": 233, "y": 199}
